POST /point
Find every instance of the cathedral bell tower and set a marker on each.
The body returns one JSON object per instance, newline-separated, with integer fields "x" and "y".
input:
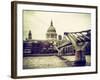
{"x": 30, "y": 35}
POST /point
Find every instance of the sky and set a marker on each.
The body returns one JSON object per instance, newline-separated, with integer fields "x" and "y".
{"x": 39, "y": 21}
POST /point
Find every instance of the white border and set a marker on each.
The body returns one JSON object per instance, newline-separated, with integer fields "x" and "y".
{"x": 29, "y": 72}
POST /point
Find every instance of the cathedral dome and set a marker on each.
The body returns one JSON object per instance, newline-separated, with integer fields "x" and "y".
{"x": 51, "y": 33}
{"x": 51, "y": 28}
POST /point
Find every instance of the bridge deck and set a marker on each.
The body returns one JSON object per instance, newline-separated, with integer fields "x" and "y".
{"x": 50, "y": 61}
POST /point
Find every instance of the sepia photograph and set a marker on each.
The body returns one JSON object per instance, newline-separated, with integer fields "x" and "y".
{"x": 56, "y": 39}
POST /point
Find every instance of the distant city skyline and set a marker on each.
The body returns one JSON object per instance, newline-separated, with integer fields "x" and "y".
{"x": 38, "y": 22}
